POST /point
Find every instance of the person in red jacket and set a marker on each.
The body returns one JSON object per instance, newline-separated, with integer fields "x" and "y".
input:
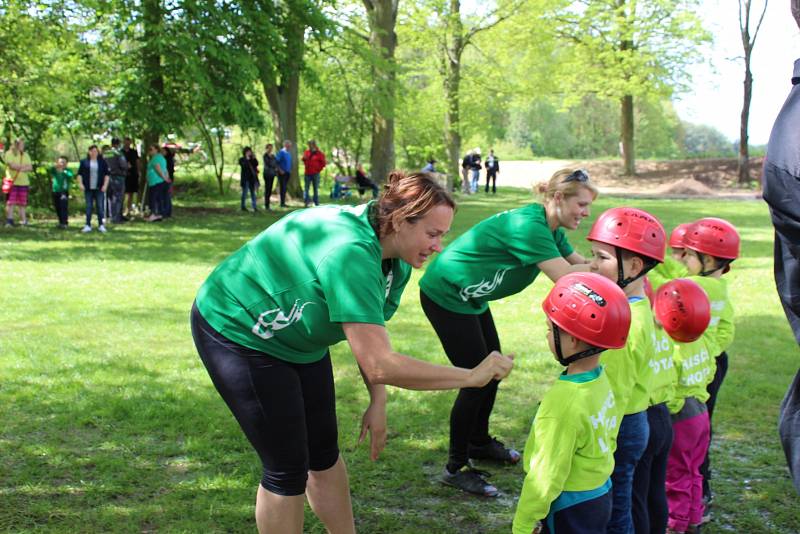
{"x": 314, "y": 161}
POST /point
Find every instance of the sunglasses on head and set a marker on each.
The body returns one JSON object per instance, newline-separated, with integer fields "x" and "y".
{"x": 577, "y": 176}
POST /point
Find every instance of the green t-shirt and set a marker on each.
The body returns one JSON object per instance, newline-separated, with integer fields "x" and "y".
{"x": 287, "y": 291}
{"x": 153, "y": 178}
{"x": 495, "y": 258}
{"x": 569, "y": 445}
{"x": 721, "y": 326}
{"x": 669, "y": 269}
{"x": 662, "y": 367}
{"x": 695, "y": 368}
{"x": 62, "y": 180}
{"x": 628, "y": 368}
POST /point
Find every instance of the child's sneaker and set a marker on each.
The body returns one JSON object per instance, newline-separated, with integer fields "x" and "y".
{"x": 470, "y": 480}
{"x": 102, "y": 228}
{"x": 86, "y": 229}
{"x": 494, "y": 450}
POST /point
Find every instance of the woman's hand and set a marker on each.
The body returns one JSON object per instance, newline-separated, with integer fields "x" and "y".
{"x": 374, "y": 422}
{"x": 495, "y": 366}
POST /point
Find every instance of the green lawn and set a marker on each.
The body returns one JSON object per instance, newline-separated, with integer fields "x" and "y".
{"x": 109, "y": 422}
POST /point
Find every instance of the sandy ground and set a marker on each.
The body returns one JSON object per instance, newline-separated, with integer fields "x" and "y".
{"x": 657, "y": 179}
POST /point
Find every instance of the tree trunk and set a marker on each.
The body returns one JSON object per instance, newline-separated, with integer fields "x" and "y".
{"x": 744, "y": 152}
{"x": 452, "y": 82}
{"x": 626, "y": 135}
{"x": 382, "y": 16}
{"x": 151, "y": 61}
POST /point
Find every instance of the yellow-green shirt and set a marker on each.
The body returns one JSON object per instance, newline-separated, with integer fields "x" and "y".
{"x": 721, "y": 327}
{"x": 669, "y": 269}
{"x": 695, "y": 368}
{"x": 17, "y": 159}
{"x": 662, "y": 367}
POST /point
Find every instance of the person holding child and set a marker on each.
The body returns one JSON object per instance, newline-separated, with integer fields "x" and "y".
{"x": 626, "y": 244}
{"x": 498, "y": 257}
{"x": 568, "y": 458}
{"x": 61, "y": 179}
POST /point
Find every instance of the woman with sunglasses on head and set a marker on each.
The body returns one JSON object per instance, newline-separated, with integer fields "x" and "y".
{"x": 498, "y": 257}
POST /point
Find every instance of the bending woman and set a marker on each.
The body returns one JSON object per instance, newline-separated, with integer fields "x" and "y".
{"x": 264, "y": 319}
{"x": 498, "y": 257}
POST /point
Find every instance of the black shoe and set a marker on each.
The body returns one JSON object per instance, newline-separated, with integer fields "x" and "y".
{"x": 124, "y": 219}
{"x": 494, "y": 450}
{"x": 470, "y": 480}
{"x": 244, "y": 209}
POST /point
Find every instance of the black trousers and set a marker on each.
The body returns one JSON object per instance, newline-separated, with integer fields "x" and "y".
{"x": 588, "y": 517}
{"x": 283, "y": 183}
{"x": 286, "y": 410}
{"x": 467, "y": 340}
{"x": 60, "y": 201}
{"x": 269, "y": 180}
{"x": 650, "y": 511}
{"x": 713, "y": 390}
{"x": 493, "y": 176}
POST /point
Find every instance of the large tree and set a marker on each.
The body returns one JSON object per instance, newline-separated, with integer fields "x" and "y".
{"x": 748, "y": 42}
{"x": 626, "y": 49}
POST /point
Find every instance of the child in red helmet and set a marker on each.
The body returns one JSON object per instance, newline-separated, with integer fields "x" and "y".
{"x": 710, "y": 246}
{"x": 683, "y": 309}
{"x": 626, "y": 244}
{"x": 568, "y": 457}
{"x": 673, "y": 266}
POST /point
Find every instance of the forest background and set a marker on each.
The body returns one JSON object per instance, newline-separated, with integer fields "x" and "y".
{"x": 384, "y": 83}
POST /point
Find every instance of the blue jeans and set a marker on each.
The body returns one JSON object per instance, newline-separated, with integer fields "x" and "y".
{"x": 650, "y": 478}
{"x": 99, "y": 199}
{"x": 247, "y": 185}
{"x": 634, "y": 433}
{"x": 476, "y": 177}
{"x": 312, "y": 179}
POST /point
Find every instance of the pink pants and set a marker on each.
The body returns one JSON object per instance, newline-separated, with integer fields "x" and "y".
{"x": 684, "y": 481}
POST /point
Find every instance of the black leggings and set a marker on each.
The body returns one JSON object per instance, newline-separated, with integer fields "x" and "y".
{"x": 649, "y": 507}
{"x": 286, "y": 410}
{"x": 713, "y": 390}
{"x": 467, "y": 340}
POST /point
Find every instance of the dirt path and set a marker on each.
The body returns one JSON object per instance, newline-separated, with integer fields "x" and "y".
{"x": 708, "y": 178}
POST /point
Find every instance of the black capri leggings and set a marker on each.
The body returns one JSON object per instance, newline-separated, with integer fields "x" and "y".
{"x": 467, "y": 340}
{"x": 286, "y": 410}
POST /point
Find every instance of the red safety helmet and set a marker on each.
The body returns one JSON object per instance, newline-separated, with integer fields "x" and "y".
{"x": 590, "y": 307}
{"x": 683, "y": 309}
{"x": 712, "y": 236}
{"x": 676, "y": 237}
{"x": 630, "y": 229}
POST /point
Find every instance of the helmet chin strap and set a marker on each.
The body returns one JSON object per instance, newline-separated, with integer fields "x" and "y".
{"x": 575, "y": 357}
{"x": 721, "y": 264}
{"x": 623, "y": 282}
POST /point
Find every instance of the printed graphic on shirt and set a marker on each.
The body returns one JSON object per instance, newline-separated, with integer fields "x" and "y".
{"x": 271, "y": 321}
{"x": 663, "y": 352}
{"x": 483, "y": 288}
{"x": 690, "y": 378}
{"x": 602, "y": 419}
{"x": 716, "y": 308}
{"x": 389, "y": 279}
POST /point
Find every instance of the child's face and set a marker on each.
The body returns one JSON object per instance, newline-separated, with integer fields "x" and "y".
{"x": 604, "y": 261}
{"x": 550, "y": 341}
{"x": 677, "y": 253}
{"x": 692, "y": 261}
{"x": 60, "y": 164}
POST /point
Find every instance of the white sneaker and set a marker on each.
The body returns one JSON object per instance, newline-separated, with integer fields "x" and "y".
{"x": 86, "y": 229}
{"x": 102, "y": 229}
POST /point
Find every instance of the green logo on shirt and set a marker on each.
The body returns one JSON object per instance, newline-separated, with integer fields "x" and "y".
{"x": 271, "y": 321}
{"x": 482, "y": 288}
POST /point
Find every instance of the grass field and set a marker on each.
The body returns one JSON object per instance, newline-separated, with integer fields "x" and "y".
{"x": 109, "y": 422}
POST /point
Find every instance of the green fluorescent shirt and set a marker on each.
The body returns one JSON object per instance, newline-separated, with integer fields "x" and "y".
{"x": 662, "y": 273}
{"x": 721, "y": 326}
{"x": 61, "y": 180}
{"x": 662, "y": 367}
{"x": 287, "y": 291}
{"x": 628, "y": 368}
{"x": 569, "y": 447}
{"x": 495, "y": 258}
{"x": 695, "y": 367}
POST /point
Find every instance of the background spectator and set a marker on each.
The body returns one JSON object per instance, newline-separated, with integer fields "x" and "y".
{"x": 314, "y": 162}
{"x": 134, "y": 170}
{"x": 492, "y": 165}
{"x": 61, "y": 180}
{"x": 157, "y": 183}
{"x": 270, "y": 172}
{"x": 18, "y": 165}
{"x": 284, "y": 160}
{"x": 364, "y": 182}
{"x": 94, "y": 182}
{"x": 475, "y": 169}
{"x": 248, "y": 176}
{"x": 118, "y": 170}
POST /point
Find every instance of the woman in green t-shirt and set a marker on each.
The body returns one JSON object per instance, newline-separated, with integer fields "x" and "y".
{"x": 498, "y": 257}
{"x": 264, "y": 319}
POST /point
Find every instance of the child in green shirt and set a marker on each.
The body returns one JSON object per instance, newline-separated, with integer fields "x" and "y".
{"x": 61, "y": 180}
{"x": 683, "y": 308}
{"x": 710, "y": 246}
{"x": 626, "y": 244}
{"x": 568, "y": 457}
{"x": 673, "y": 266}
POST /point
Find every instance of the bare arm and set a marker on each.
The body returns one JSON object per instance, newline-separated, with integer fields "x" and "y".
{"x": 576, "y": 258}
{"x": 381, "y": 365}
{"x": 557, "y": 267}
